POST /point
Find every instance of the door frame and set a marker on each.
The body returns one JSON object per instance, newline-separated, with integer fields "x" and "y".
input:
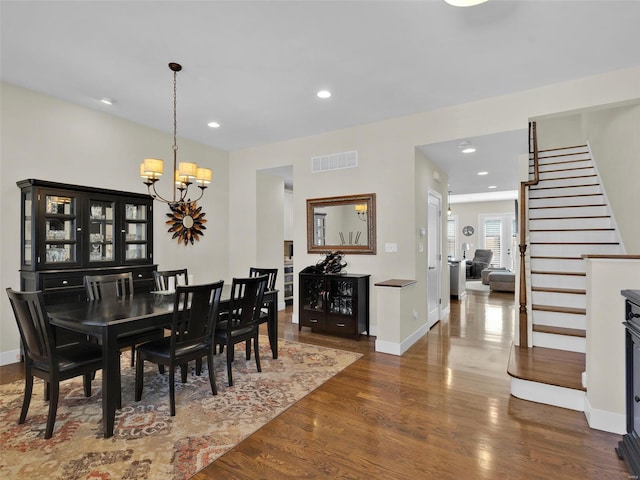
{"x": 434, "y": 237}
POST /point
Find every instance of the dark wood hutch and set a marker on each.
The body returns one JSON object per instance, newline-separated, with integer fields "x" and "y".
{"x": 69, "y": 231}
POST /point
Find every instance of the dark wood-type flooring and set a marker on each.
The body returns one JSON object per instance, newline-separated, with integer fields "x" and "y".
{"x": 441, "y": 411}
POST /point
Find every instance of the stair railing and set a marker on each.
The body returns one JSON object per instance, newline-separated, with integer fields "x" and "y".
{"x": 522, "y": 317}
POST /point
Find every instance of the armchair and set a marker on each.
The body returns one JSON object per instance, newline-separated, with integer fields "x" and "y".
{"x": 481, "y": 260}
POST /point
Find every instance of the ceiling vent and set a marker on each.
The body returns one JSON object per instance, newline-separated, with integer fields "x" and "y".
{"x": 334, "y": 161}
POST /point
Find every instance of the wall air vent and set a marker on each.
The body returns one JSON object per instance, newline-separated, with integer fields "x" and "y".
{"x": 334, "y": 161}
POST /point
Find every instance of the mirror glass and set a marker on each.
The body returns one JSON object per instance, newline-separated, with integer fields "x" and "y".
{"x": 344, "y": 223}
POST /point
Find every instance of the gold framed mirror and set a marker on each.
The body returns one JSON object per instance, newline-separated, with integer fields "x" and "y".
{"x": 346, "y": 223}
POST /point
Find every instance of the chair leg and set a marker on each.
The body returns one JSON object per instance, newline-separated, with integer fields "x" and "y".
{"x": 133, "y": 354}
{"x": 172, "y": 390}
{"x": 184, "y": 368}
{"x": 86, "y": 380}
{"x": 255, "y": 347}
{"x": 212, "y": 373}
{"x": 46, "y": 391}
{"x": 53, "y": 408}
{"x": 139, "y": 377}
{"x": 198, "y": 366}
{"x": 229, "y": 362}
{"x": 28, "y": 390}
{"x": 248, "y": 348}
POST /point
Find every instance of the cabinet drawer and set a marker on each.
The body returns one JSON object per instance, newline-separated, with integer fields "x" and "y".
{"x": 316, "y": 322}
{"x": 61, "y": 281}
{"x": 344, "y": 326}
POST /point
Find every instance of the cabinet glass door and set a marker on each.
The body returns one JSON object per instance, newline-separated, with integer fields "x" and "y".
{"x": 60, "y": 229}
{"x": 101, "y": 231}
{"x": 27, "y": 226}
{"x": 313, "y": 294}
{"x": 341, "y": 297}
{"x": 135, "y": 231}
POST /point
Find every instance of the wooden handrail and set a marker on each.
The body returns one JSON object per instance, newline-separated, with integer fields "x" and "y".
{"x": 522, "y": 317}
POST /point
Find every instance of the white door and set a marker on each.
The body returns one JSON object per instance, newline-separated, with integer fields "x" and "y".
{"x": 434, "y": 258}
{"x": 497, "y": 233}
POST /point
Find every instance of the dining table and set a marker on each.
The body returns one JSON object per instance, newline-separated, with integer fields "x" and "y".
{"x": 107, "y": 319}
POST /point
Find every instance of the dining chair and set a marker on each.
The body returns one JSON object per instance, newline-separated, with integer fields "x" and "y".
{"x": 119, "y": 285}
{"x": 161, "y": 279}
{"x": 46, "y": 360}
{"x": 195, "y": 313}
{"x": 272, "y": 274}
{"x": 240, "y": 323}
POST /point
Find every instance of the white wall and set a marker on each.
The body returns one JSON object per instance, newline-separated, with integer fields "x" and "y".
{"x": 387, "y": 166}
{"x": 270, "y": 224}
{"x": 605, "y": 356}
{"x": 43, "y": 137}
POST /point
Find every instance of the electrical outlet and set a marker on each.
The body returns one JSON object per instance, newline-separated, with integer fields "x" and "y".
{"x": 420, "y": 247}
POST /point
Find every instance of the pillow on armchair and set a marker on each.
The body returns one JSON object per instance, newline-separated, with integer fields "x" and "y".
{"x": 481, "y": 260}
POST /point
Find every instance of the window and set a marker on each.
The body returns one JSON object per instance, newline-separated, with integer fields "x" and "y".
{"x": 492, "y": 234}
{"x": 498, "y": 234}
{"x": 451, "y": 237}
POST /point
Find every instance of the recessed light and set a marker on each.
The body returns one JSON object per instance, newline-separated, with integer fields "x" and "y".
{"x": 469, "y": 150}
{"x": 214, "y": 124}
{"x": 491, "y": 186}
{"x": 106, "y": 101}
{"x": 483, "y": 173}
{"x": 323, "y": 94}
{"x": 464, "y": 3}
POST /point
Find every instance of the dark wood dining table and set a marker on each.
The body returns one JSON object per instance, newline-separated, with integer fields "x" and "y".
{"x": 106, "y": 319}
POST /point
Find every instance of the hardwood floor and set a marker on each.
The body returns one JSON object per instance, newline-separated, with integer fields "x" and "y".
{"x": 441, "y": 411}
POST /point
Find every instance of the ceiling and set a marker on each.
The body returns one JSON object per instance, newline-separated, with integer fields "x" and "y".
{"x": 255, "y": 67}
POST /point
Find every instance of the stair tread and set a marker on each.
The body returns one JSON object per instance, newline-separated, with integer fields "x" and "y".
{"x": 570, "y": 206}
{"x": 572, "y": 229}
{"x": 571, "y": 332}
{"x": 559, "y": 290}
{"x": 547, "y": 365}
{"x": 551, "y": 308}
{"x": 565, "y": 186}
{"x": 549, "y": 272}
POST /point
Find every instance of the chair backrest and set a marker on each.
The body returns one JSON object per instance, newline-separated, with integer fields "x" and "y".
{"x": 195, "y": 313}
{"x": 245, "y": 301}
{"x": 161, "y": 279}
{"x": 106, "y": 286}
{"x": 483, "y": 256}
{"x": 36, "y": 332}
{"x": 271, "y": 273}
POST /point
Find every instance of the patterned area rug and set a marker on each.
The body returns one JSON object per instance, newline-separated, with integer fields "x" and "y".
{"x": 148, "y": 443}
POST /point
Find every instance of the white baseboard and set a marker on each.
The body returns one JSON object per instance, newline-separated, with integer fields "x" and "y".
{"x": 604, "y": 420}
{"x": 12, "y": 356}
{"x": 548, "y": 394}
{"x": 399, "y": 348}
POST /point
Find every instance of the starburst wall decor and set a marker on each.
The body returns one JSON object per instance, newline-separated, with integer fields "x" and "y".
{"x": 186, "y": 222}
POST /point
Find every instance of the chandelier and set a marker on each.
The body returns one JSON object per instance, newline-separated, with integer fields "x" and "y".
{"x": 184, "y": 173}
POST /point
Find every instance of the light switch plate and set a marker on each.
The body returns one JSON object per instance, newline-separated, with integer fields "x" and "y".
{"x": 391, "y": 247}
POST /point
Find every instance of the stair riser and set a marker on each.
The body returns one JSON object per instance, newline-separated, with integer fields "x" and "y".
{"x": 553, "y": 299}
{"x": 548, "y": 394}
{"x": 599, "y": 211}
{"x": 562, "y": 174}
{"x": 554, "y": 265}
{"x": 565, "y": 152}
{"x": 562, "y": 165}
{"x": 605, "y": 236}
{"x": 573, "y": 223}
{"x": 566, "y": 200}
{"x": 580, "y": 180}
{"x": 557, "y": 319}
{"x": 559, "y": 281}
{"x": 555, "y": 192}
{"x": 560, "y": 342}
{"x": 553, "y": 250}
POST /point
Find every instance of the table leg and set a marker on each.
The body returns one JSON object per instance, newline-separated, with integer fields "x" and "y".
{"x": 110, "y": 380}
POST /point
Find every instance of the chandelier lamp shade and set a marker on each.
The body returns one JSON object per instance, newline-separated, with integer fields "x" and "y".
{"x": 449, "y": 212}
{"x": 185, "y": 174}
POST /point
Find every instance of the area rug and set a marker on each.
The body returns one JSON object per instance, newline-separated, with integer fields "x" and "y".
{"x": 148, "y": 443}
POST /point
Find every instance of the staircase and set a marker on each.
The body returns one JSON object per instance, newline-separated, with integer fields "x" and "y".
{"x": 568, "y": 217}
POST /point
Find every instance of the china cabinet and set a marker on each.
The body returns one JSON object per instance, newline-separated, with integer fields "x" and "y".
{"x": 629, "y": 447}
{"x": 69, "y": 231}
{"x": 337, "y": 304}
